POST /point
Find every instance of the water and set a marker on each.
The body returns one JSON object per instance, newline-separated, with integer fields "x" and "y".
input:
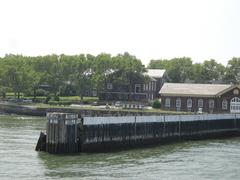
{"x": 211, "y": 159}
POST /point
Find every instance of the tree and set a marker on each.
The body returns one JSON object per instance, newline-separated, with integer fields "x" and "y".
{"x": 128, "y": 70}
{"x": 82, "y": 75}
{"x": 232, "y": 74}
{"x": 212, "y": 71}
{"x": 2, "y": 78}
{"x": 178, "y": 69}
{"x": 102, "y": 67}
{"x": 17, "y": 74}
{"x": 51, "y": 67}
{"x": 198, "y": 73}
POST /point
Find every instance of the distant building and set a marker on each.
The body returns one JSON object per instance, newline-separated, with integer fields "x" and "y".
{"x": 211, "y": 98}
{"x": 157, "y": 79}
{"x": 139, "y": 91}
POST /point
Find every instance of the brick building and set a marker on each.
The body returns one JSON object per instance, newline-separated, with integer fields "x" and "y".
{"x": 211, "y": 98}
{"x": 139, "y": 91}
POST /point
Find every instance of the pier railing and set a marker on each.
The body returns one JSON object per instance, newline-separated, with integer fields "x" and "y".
{"x": 160, "y": 118}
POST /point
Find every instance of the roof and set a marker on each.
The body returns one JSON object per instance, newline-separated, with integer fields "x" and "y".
{"x": 186, "y": 89}
{"x": 155, "y": 73}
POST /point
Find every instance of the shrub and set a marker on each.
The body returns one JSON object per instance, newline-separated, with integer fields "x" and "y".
{"x": 41, "y": 92}
{"x": 156, "y": 104}
{"x": 60, "y": 103}
{"x": 56, "y": 98}
{"x": 47, "y": 99}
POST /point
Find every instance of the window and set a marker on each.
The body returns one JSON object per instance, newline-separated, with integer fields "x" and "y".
{"x": 154, "y": 86}
{"x": 211, "y": 104}
{"x": 235, "y": 105}
{"x": 189, "y": 103}
{"x": 200, "y": 103}
{"x": 137, "y": 88}
{"x": 109, "y": 86}
{"x": 178, "y": 102}
{"x": 150, "y": 96}
{"x": 167, "y": 102}
{"x": 224, "y": 104}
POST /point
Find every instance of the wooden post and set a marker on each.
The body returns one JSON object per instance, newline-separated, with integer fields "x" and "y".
{"x": 164, "y": 126}
{"x": 61, "y": 133}
{"x": 235, "y": 121}
{"x": 135, "y": 129}
{"x": 179, "y": 126}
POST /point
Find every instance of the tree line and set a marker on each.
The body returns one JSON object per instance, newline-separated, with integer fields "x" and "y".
{"x": 66, "y": 75}
{"x": 182, "y": 70}
{"x": 76, "y": 74}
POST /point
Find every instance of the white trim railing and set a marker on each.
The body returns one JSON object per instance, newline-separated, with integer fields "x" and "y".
{"x": 152, "y": 119}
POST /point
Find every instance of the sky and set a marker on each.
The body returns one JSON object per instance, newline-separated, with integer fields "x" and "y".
{"x": 148, "y": 29}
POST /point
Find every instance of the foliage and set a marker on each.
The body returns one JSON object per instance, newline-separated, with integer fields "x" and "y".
{"x": 78, "y": 74}
{"x": 178, "y": 69}
{"x": 183, "y": 70}
{"x": 60, "y": 103}
{"x": 232, "y": 73}
{"x": 41, "y": 92}
{"x": 156, "y": 104}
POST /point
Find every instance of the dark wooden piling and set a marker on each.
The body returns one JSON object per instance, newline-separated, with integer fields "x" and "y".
{"x": 41, "y": 144}
{"x": 61, "y": 133}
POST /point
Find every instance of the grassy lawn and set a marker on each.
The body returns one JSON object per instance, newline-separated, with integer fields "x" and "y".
{"x": 158, "y": 111}
{"x": 87, "y": 100}
{"x": 70, "y": 99}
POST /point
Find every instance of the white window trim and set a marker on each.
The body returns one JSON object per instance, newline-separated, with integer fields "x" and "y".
{"x": 235, "y": 105}
{"x": 211, "y": 104}
{"x": 189, "y": 103}
{"x": 168, "y": 102}
{"x": 201, "y": 104}
{"x": 178, "y": 102}
{"x": 224, "y": 104}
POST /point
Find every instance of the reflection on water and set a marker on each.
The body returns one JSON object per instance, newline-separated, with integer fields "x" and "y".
{"x": 213, "y": 159}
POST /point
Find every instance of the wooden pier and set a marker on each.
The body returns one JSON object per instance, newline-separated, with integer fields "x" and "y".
{"x": 61, "y": 133}
{"x": 94, "y": 134}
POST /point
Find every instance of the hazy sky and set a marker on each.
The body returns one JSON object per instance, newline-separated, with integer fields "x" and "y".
{"x": 148, "y": 29}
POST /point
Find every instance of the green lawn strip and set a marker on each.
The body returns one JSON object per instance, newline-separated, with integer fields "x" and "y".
{"x": 158, "y": 111}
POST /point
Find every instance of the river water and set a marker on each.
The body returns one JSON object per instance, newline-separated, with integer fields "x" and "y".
{"x": 208, "y": 159}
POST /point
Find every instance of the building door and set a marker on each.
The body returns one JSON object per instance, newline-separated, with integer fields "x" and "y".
{"x": 235, "y": 105}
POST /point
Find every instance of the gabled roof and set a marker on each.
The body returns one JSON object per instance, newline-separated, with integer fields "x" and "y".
{"x": 199, "y": 90}
{"x": 155, "y": 73}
